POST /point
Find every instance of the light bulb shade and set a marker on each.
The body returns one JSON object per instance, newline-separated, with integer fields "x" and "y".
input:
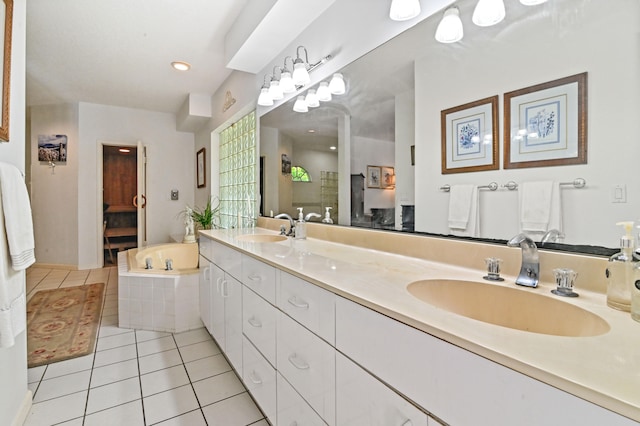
{"x": 488, "y": 12}
{"x": 300, "y": 74}
{"x": 286, "y": 82}
{"x": 312, "y": 99}
{"x": 265, "y": 99}
{"x": 401, "y": 10}
{"x": 300, "y": 105}
{"x": 532, "y": 2}
{"x": 324, "y": 94}
{"x": 275, "y": 91}
{"x": 450, "y": 27}
{"x": 336, "y": 86}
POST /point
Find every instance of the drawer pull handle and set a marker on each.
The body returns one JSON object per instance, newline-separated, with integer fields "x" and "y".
{"x": 254, "y": 322}
{"x": 253, "y": 376}
{"x": 254, "y": 277}
{"x": 218, "y": 280}
{"x": 407, "y": 423}
{"x": 302, "y": 305}
{"x": 206, "y": 271}
{"x": 298, "y": 363}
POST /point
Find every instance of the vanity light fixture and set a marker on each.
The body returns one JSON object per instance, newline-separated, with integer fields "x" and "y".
{"x": 402, "y": 10}
{"x": 323, "y": 93}
{"x": 450, "y": 27}
{"x": 286, "y": 81}
{"x": 300, "y": 73}
{"x": 488, "y": 12}
{"x": 336, "y": 85}
{"x": 312, "y": 99}
{"x": 181, "y": 66}
{"x": 265, "y": 98}
{"x": 300, "y": 105}
{"x": 275, "y": 91}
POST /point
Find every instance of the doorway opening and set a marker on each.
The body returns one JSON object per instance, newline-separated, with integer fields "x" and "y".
{"x": 119, "y": 191}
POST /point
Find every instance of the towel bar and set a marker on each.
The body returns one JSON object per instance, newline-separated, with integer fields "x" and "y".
{"x": 576, "y": 183}
{"x": 491, "y": 187}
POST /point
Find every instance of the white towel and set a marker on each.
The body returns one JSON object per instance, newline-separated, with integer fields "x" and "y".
{"x": 540, "y": 207}
{"x": 464, "y": 214}
{"x": 17, "y": 217}
{"x": 13, "y": 213}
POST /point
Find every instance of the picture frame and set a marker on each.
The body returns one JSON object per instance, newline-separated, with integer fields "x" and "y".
{"x": 387, "y": 177}
{"x": 52, "y": 148}
{"x": 201, "y": 168}
{"x": 373, "y": 176}
{"x": 6, "y": 17}
{"x": 546, "y": 124}
{"x": 469, "y": 136}
{"x": 286, "y": 164}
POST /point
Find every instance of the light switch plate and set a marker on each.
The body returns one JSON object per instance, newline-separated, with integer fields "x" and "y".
{"x": 174, "y": 194}
{"x": 619, "y": 193}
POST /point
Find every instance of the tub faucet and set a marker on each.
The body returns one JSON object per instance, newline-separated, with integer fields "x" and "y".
{"x": 292, "y": 225}
{"x": 530, "y": 269}
{"x": 311, "y": 215}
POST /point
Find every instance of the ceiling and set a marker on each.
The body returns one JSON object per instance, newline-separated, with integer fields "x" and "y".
{"x": 118, "y": 52}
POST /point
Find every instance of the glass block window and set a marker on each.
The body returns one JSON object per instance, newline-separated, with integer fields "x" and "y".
{"x": 238, "y": 173}
{"x": 300, "y": 174}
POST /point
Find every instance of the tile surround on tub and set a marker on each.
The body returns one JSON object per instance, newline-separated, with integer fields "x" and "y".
{"x": 468, "y": 254}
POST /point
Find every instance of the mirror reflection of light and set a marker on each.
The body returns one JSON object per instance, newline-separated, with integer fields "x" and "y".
{"x": 487, "y": 139}
{"x": 475, "y": 139}
{"x": 533, "y": 135}
{"x": 333, "y": 148}
{"x": 522, "y": 132}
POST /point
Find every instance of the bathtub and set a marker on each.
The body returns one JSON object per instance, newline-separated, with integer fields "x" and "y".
{"x": 156, "y": 299}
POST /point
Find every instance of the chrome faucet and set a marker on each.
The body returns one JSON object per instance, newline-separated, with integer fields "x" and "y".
{"x": 551, "y": 236}
{"x": 530, "y": 269}
{"x": 308, "y": 217}
{"x": 292, "y": 226}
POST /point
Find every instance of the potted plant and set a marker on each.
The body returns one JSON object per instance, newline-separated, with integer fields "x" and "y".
{"x": 207, "y": 217}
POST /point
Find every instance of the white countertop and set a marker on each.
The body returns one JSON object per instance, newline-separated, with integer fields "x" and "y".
{"x": 603, "y": 369}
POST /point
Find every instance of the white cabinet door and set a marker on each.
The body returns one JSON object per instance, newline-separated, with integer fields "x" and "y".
{"x": 227, "y": 258}
{"x": 309, "y": 364}
{"x": 292, "y": 409}
{"x": 310, "y": 305}
{"x": 362, "y": 400}
{"x": 260, "y": 379}
{"x": 232, "y": 294}
{"x": 259, "y": 323}
{"x": 216, "y": 276}
{"x": 204, "y": 286}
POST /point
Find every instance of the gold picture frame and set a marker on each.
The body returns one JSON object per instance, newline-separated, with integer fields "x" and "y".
{"x": 7, "y": 10}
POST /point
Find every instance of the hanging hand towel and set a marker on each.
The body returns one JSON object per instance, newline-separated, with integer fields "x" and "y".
{"x": 17, "y": 217}
{"x": 464, "y": 219}
{"x": 540, "y": 207}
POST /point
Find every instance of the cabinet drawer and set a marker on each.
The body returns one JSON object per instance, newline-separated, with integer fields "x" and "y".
{"x": 310, "y": 305}
{"x": 362, "y": 400}
{"x": 292, "y": 409}
{"x": 227, "y": 259}
{"x": 259, "y": 323}
{"x": 308, "y": 364}
{"x": 259, "y": 277}
{"x": 204, "y": 245}
{"x": 260, "y": 379}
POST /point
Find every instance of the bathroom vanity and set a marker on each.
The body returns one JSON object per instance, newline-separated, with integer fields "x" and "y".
{"x": 325, "y": 331}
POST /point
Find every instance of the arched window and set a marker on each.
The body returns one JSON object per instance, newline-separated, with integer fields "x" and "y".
{"x": 300, "y": 174}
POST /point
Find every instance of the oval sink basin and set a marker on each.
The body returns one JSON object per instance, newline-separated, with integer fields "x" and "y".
{"x": 509, "y": 307}
{"x": 261, "y": 238}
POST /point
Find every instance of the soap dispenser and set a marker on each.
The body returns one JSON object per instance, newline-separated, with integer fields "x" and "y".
{"x": 327, "y": 216}
{"x": 620, "y": 272}
{"x": 301, "y": 226}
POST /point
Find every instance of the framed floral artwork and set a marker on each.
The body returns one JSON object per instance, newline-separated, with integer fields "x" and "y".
{"x": 469, "y": 135}
{"x": 546, "y": 124}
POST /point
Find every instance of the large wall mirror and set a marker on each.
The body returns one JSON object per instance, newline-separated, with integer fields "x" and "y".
{"x": 391, "y": 116}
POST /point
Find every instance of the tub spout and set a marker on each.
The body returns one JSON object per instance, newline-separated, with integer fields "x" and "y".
{"x": 148, "y": 263}
{"x": 168, "y": 265}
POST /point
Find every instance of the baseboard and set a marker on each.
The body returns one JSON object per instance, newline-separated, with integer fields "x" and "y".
{"x": 54, "y": 266}
{"x": 23, "y": 412}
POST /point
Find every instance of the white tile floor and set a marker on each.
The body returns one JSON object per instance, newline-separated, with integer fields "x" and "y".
{"x": 136, "y": 377}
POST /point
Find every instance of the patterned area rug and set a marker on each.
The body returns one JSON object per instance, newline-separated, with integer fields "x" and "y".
{"x": 63, "y": 323}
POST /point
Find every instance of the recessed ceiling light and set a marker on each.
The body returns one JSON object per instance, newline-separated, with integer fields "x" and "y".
{"x": 181, "y": 66}
{"x": 333, "y": 148}
{"x": 124, "y": 150}
{"x": 311, "y": 131}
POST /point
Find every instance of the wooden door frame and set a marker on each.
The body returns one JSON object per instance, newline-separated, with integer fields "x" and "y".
{"x": 100, "y": 191}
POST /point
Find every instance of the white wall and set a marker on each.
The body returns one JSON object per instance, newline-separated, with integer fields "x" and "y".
{"x": 170, "y": 165}
{"x": 372, "y": 152}
{"x": 15, "y": 398}
{"x": 453, "y": 75}
{"x": 309, "y": 194}
{"x": 405, "y": 138}
{"x": 54, "y": 196}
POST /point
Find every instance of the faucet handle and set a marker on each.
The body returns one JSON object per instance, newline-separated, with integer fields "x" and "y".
{"x": 565, "y": 278}
{"x": 493, "y": 269}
